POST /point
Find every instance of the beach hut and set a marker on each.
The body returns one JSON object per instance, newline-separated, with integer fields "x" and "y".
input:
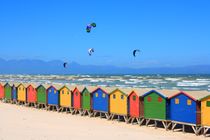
{"x": 14, "y": 92}
{"x": 42, "y": 95}
{"x": 118, "y": 104}
{"x": 136, "y": 105}
{"x": 8, "y": 92}
{"x": 21, "y": 93}
{"x": 31, "y": 95}
{"x": 53, "y": 97}
{"x": 100, "y": 102}
{"x": 86, "y": 100}
{"x": 65, "y": 98}
{"x": 1, "y": 91}
{"x": 156, "y": 107}
{"x": 185, "y": 109}
{"x": 205, "y": 112}
{"x": 77, "y": 97}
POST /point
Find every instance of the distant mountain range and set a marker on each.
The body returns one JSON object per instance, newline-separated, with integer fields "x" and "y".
{"x": 56, "y": 67}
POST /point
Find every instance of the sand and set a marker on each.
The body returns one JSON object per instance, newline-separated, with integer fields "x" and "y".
{"x": 23, "y": 123}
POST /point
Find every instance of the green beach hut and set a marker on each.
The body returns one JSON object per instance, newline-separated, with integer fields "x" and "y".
{"x": 86, "y": 99}
{"x": 8, "y": 92}
{"x": 156, "y": 106}
{"x": 42, "y": 96}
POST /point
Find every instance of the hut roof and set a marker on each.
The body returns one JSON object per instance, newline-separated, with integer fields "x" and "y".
{"x": 46, "y": 86}
{"x": 195, "y": 95}
{"x": 56, "y": 86}
{"x": 162, "y": 93}
{"x": 140, "y": 91}
{"x": 104, "y": 89}
{"x": 121, "y": 90}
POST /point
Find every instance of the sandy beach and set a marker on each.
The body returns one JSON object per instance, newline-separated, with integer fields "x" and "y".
{"x": 23, "y": 123}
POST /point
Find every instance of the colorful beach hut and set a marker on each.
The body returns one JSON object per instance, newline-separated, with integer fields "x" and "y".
{"x": 53, "y": 97}
{"x": 156, "y": 106}
{"x": 1, "y": 91}
{"x": 42, "y": 95}
{"x": 136, "y": 105}
{"x": 31, "y": 94}
{"x": 14, "y": 92}
{"x": 118, "y": 104}
{"x": 86, "y": 100}
{"x": 205, "y": 111}
{"x": 65, "y": 98}
{"x": 100, "y": 102}
{"x": 8, "y": 92}
{"x": 77, "y": 99}
{"x": 185, "y": 109}
{"x": 21, "y": 93}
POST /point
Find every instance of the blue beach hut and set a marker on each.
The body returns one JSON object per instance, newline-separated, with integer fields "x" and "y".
{"x": 185, "y": 107}
{"x": 100, "y": 100}
{"x": 14, "y": 92}
{"x": 53, "y": 95}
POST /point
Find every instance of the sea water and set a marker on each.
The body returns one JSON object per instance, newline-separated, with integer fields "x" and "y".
{"x": 180, "y": 82}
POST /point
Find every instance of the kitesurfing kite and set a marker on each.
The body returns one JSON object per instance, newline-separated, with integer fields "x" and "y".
{"x": 135, "y": 52}
{"x": 65, "y": 64}
{"x": 90, "y": 51}
{"x": 90, "y": 26}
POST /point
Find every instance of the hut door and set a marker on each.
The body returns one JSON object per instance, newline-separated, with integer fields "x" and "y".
{"x": 198, "y": 113}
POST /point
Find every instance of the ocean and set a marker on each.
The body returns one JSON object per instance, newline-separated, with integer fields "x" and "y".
{"x": 180, "y": 82}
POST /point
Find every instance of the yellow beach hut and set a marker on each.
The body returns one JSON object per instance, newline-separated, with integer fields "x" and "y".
{"x": 205, "y": 111}
{"x": 21, "y": 93}
{"x": 118, "y": 104}
{"x": 65, "y": 98}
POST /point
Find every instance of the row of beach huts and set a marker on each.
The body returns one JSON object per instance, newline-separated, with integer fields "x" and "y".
{"x": 171, "y": 109}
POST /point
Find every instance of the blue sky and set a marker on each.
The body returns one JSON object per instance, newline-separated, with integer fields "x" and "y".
{"x": 168, "y": 32}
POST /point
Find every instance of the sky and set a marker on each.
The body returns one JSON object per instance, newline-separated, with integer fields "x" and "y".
{"x": 169, "y": 33}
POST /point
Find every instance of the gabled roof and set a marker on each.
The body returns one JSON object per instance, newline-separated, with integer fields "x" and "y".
{"x": 117, "y": 89}
{"x": 140, "y": 91}
{"x": 65, "y": 86}
{"x": 162, "y": 93}
{"x": 33, "y": 85}
{"x": 194, "y": 95}
{"x": 46, "y": 86}
{"x": 56, "y": 86}
{"x": 99, "y": 88}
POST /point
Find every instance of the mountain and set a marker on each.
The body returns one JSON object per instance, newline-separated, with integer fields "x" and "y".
{"x": 56, "y": 67}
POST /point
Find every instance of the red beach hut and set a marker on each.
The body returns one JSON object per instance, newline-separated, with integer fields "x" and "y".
{"x": 31, "y": 94}
{"x": 136, "y": 105}
{"x": 76, "y": 94}
{"x": 1, "y": 91}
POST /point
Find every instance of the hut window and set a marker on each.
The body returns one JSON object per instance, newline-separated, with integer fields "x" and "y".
{"x": 68, "y": 92}
{"x": 62, "y": 92}
{"x": 160, "y": 99}
{"x": 19, "y": 88}
{"x": 76, "y": 93}
{"x": 86, "y": 94}
{"x": 96, "y": 94}
{"x": 149, "y": 99}
{"x": 122, "y": 97}
{"x": 50, "y": 90}
{"x": 177, "y": 101}
{"x": 189, "y": 102}
{"x": 103, "y": 95}
{"x": 54, "y": 91}
{"x": 208, "y": 103}
{"x": 134, "y": 98}
{"x": 114, "y": 96}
